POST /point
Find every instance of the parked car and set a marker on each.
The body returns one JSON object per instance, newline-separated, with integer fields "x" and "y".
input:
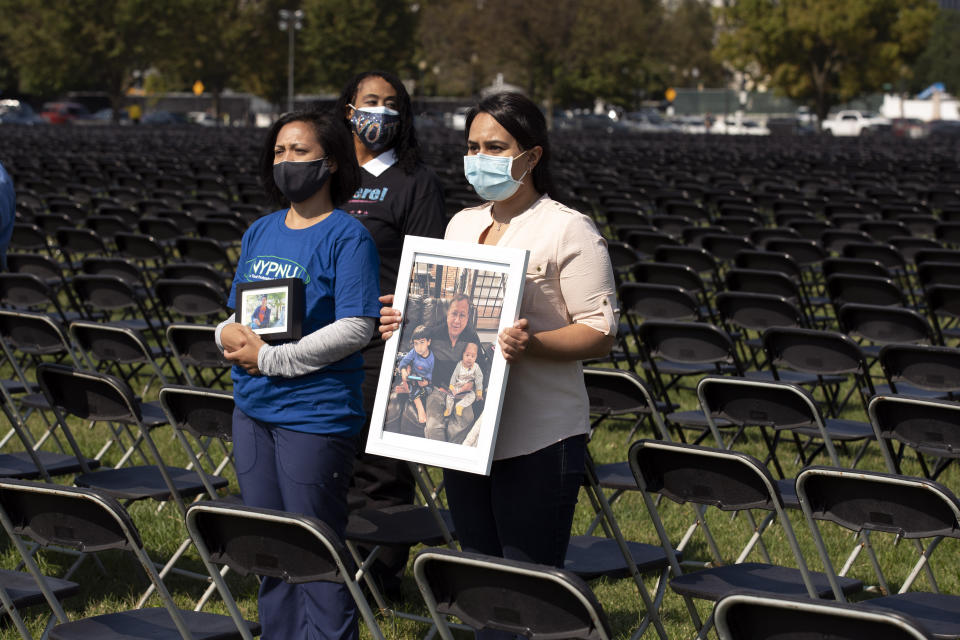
{"x": 64, "y": 112}
{"x": 908, "y": 128}
{"x": 164, "y": 117}
{"x": 105, "y": 116}
{"x": 18, "y": 112}
{"x": 851, "y": 122}
{"x": 944, "y": 129}
{"x": 648, "y": 120}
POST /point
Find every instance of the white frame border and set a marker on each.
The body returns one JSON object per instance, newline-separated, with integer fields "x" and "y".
{"x": 416, "y": 249}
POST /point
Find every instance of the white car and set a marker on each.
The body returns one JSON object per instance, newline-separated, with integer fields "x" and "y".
{"x": 851, "y": 122}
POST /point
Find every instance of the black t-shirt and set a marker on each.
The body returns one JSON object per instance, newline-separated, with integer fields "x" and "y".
{"x": 393, "y": 205}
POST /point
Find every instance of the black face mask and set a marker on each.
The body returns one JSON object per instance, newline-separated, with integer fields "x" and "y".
{"x": 300, "y": 180}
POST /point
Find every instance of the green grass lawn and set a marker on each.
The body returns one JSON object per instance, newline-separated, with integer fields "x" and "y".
{"x": 163, "y": 531}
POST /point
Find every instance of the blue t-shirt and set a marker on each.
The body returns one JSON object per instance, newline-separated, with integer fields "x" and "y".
{"x": 420, "y": 366}
{"x": 337, "y": 261}
{"x": 8, "y": 212}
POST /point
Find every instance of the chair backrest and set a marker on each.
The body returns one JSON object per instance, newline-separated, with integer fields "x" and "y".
{"x": 728, "y": 480}
{"x": 768, "y": 261}
{"x": 88, "y": 395}
{"x": 755, "y": 402}
{"x": 194, "y": 349}
{"x": 36, "y": 334}
{"x": 615, "y": 392}
{"x": 516, "y": 597}
{"x": 758, "y": 617}
{"x": 83, "y": 519}
{"x": 885, "y": 325}
{"x": 202, "y": 412}
{"x": 676, "y": 275}
{"x": 762, "y": 281}
{"x": 757, "y": 311}
{"x": 191, "y": 298}
{"x": 927, "y": 426}
{"x": 843, "y": 288}
{"x": 659, "y": 301}
{"x": 692, "y": 342}
{"x": 855, "y": 267}
{"x": 927, "y": 367}
{"x": 868, "y": 500}
{"x": 291, "y": 547}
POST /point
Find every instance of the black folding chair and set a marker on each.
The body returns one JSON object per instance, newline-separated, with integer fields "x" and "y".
{"x": 289, "y": 546}
{"x": 531, "y": 600}
{"x": 89, "y": 521}
{"x": 871, "y": 503}
{"x": 199, "y": 358}
{"x": 929, "y": 428}
{"x": 729, "y": 481}
{"x": 746, "y": 616}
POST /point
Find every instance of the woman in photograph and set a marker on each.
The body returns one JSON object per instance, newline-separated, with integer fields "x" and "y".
{"x": 448, "y": 340}
{"x": 398, "y": 196}
{"x": 299, "y": 404}
{"x": 524, "y": 509}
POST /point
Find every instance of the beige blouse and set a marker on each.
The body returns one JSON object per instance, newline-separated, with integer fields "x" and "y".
{"x": 569, "y": 280}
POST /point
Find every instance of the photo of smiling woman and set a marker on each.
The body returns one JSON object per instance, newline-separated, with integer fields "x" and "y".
{"x": 298, "y": 403}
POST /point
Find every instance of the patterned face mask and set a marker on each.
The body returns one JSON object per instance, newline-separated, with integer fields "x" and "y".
{"x": 375, "y": 126}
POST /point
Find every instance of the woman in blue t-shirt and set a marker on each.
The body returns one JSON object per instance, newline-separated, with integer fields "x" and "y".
{"x": 298, "y": 404}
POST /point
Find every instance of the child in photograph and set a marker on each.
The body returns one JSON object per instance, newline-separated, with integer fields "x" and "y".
{"x": 417, "y": 366}
{"x": 466, "y": 383}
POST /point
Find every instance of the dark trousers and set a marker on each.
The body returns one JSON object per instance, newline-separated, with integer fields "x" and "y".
{"x": 523, "y": 510}
{"x": 379, "y": 482}
{"x": 303, "y": 473}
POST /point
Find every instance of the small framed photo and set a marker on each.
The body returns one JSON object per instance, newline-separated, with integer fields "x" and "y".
{"x": 441, "y": 384}
{"x": 273, "y": 309}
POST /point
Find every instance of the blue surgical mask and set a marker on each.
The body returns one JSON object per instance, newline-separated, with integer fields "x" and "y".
{"x": 375, "y": 126}
{"x": 492, "y": 176}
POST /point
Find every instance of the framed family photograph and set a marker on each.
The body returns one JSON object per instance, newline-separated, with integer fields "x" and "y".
{"x": 273, "y": 309}
{"x": 441, "y": 384}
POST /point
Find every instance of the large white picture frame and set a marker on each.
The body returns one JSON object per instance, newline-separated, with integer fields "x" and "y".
{"x": 428, "y": 409}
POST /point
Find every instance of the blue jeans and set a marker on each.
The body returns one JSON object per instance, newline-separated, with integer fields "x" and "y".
{"x": 303, "y": 473}
{"x": 523, "y": 510}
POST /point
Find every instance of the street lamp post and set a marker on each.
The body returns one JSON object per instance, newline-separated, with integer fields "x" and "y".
{"x": 291, "y": 22}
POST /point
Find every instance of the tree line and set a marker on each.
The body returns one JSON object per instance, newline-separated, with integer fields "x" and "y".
{"x": 562, "y": 52}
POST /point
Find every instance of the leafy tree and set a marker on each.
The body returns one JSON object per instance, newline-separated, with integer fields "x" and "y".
{"x": 622, "y": 67}
{"x": 686, "y": 45}
{"x": 57, "y": 45}
{"x": 824, "y": 52}
{"x": 229, "y": 43}
{"x": 940, "y": 61}
{"x": 340, "y": 39}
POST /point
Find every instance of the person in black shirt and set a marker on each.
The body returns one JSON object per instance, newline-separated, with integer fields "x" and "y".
{"x": 398, "y": 196}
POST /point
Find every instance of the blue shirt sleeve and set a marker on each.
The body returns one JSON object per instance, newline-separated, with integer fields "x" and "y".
{"x": 357, "y": 279}
{"x": 406, "y": 359}
{"x": 8, "y": 213}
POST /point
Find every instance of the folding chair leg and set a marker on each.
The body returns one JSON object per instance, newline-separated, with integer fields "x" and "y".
{"x": 14, "y": 615}
{"x": 202, "y": 602}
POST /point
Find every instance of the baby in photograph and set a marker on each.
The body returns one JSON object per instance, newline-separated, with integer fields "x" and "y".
{"x": 466, "y": 383}
{"x": 417, "y": 367}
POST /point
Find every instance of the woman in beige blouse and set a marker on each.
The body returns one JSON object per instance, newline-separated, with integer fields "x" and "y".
{"x": 524, "y": 509}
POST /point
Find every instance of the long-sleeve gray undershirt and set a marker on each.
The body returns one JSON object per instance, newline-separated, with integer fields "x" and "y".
{"x": 314, "y": 351}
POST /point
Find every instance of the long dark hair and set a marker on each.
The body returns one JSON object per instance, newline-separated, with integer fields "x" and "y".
{"x": 522, "y": 119}
{"x": 405, "y": 145}
{"x": 336, "y": 145}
